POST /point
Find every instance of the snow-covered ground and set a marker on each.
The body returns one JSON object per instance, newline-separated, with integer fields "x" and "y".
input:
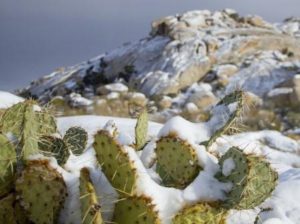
{"x": 281, "y": 151}
{"x": 7, "y": 99}
{"x": 282, "y": 207}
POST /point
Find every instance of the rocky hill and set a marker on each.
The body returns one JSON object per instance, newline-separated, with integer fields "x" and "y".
{"x": 185, "y": 65}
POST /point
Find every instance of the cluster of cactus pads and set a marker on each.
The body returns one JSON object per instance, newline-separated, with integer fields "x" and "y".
{"x": 33, "y": 189}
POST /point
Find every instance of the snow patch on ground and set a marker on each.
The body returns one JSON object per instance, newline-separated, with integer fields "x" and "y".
{"x": 7, "y": 99}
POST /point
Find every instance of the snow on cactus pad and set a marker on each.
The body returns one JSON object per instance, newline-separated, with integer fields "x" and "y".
{"x": 284, "y": 202}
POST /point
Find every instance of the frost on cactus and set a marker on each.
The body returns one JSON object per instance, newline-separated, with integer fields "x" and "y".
{"x": 177, "y": 162}
{"x": 224, "y": 114}
{"x": 90, "y": 208}
{"x": 54, "y": 146}
{"x": 202, "y": 213}
{"x": 41, "y": 192}
{"x": 7, "y": 209}
{"x": 252, "y": 177}
{"x": 27, "y": 121}
{"x": 115, "y": 162}
{"x": 7, "y": 165}
{"x": 76, "y": 140}
{"x": 141, "y": 130}
{"x": 135, "y": 209}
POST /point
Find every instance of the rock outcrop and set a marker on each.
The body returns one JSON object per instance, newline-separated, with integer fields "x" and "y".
{"x": 183, "y": 53}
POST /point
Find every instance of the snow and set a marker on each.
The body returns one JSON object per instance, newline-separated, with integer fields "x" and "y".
{"x": 282, "y": 152}
{"x": 228, "y": 166}
{"x": 7, "y": 99}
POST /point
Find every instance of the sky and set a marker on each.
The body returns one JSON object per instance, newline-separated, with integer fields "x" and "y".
{"x": 38, "y": 36}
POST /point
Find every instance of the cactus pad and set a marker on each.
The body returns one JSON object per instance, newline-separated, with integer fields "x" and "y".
{"x": 90, "y": 208}
{"x": 27, "y": 121}
{"x": 12, "y": 119}
{"x": 115, "y": 162}
{"x": 141, "y": 130}
{"x": 252, "y": 177}
{"x": 200, "y": 214}
{"x": 7, "y": 210}
{"x": 41, "y": 192}
{"x": 76, "y": 140}
{"x": 7, "y": 165}
{"x": 177, "y": 162}
{"x": 135, "y": 210}
{"x": 224, "y": 114}
{"x": 53, "y": 146}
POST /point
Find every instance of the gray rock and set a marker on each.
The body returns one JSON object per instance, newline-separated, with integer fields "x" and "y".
{"x": 181, "y": 50}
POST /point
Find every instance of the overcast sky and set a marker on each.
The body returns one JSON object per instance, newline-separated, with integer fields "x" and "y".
{"x": 38, "y": 36}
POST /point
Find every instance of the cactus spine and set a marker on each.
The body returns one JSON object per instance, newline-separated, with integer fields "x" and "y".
{"x": 90, "y": 208}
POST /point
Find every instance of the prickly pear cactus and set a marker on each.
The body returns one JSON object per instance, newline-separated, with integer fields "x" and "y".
{"x": 7, "y": 209}
{"x": 115, "y": 162}
{"x": 90, "y": 208}
{"x": 135, "y": 210}
{"x": 252, "y": 177}
{"x": 41, "y": 192}
{"x": 76, "y": 140}
{"x": 7, "y": 165}
{"x": 177, "y": 162}
{"x": 141, "y": 130}
{"x": 13, "y": 118}
{"x": 27, "y": 121}
{"x": 225, "y": 114}
{"x": 53, "y": 146}
{"x": 202, "y": 213}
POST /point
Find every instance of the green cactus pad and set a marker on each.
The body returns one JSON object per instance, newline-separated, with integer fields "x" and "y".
{"x": 76, "y": 140}
{"x": 134, "y": 209}
{"x": 27, "y": 121}
{"x": 225, "y": 122}
{"x": 41, "y": 192}
{"x": 201, "y": 214}
{"x": 115, "y": 163}
{"x": 53, "y": 146}
{"x": 13, "y": 118}
{"x": 177, "y": 162}
{"x": 90, "y": 208}
{"x": 141, "y": 130}
{"x": 7, "y": 210}
{"x": 252, "y": 177}
{"x": 7, "y": 165}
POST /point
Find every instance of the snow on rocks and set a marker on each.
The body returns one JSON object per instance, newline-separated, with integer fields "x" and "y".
{"x": 76, "y": 100}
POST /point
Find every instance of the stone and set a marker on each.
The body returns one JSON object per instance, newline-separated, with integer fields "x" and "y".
{"x": 138, "y": 99}
{"x": 280, "y": 97}
{"x": 295, "y": 98}
{"x": 114, "y": 87}
{"x": 202, "y": 96}
{"x": 76, "y": 100}
{"x": 113, "y": 96}
{"x": 191, "y": 108}
{"x": 165, "y": 102}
